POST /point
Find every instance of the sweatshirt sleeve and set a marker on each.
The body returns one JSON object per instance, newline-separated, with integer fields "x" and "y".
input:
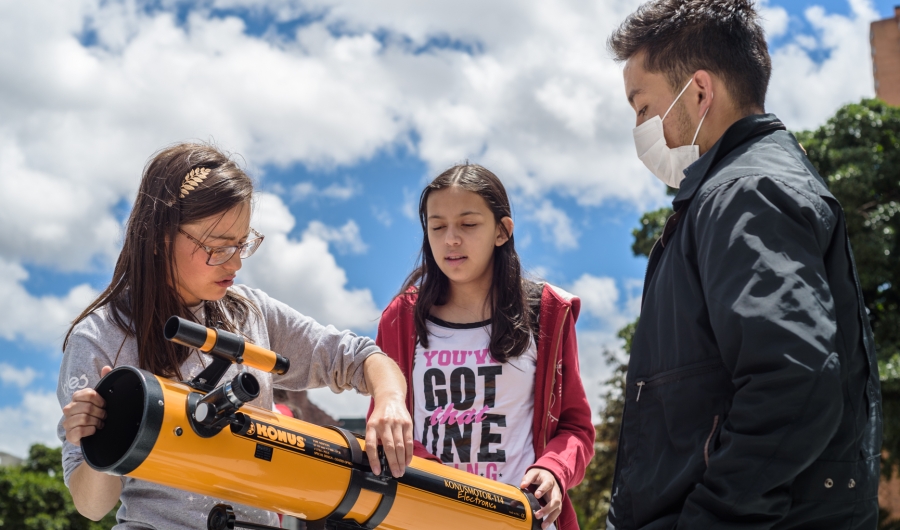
{"x": 83, "y": 358}
{"x": 760, "y": 247}
{"x": 320, "y": 355}
{"x": 570, "y": 450}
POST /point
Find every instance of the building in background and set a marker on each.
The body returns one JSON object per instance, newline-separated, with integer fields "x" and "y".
{"x": 7, "y": 459}
{"x": 885, "y": 40}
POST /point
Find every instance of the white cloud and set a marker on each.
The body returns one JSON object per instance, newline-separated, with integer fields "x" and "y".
{"x": 540, "y": 102}
{"x": 62, "y": 222}
{"x": 18, "y": 377}
{"x": 79, "y": 122}
{"x": 307, "y": 190}
{"x": 37, "y": 414}
{"x": 346, "y": 238}
{"x": 382, "y": 216}
{"x": 41, "y": 320}
{"x": 303, "y": 273}
{"x": 775, "y": 19}
{"x": 803, "y": 92}
{"x": 410, "y": 206}
{"x": 556, "y": 226}
{"x": 600, "y": 297}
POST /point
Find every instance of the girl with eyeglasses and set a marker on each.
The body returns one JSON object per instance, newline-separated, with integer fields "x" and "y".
{"x": 187, "y": 233}
{"x": 491, "y": 357}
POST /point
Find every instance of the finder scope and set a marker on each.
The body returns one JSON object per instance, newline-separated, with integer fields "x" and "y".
{"x": 224, "y": 344}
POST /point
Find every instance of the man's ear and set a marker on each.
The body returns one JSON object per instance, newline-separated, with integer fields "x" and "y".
{"x": 703, "y": 92}
{"x": 504, "y": 235}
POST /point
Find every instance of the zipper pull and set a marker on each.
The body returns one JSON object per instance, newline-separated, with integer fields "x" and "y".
{"x": 640, "y": 385}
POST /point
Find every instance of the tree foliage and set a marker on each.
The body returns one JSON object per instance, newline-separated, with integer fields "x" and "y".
{"x": 858, "y": 153}
{"x": 650, "y": 229}
{"x": 34, "y": 497}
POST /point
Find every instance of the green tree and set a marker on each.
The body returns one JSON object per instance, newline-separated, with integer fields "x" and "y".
{"x": 857, "y": 151}
{"x": 34, "y": 497}
{"x": 650, "y": 229}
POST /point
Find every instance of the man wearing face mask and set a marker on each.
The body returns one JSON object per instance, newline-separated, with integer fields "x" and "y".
{"x": 752, "y": 396}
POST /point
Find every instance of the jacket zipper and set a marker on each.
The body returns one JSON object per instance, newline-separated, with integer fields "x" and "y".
{"x": 553, "y": 379}
{"x": 681, "y": 373}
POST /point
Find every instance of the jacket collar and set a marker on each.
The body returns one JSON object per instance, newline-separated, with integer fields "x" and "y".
{"x": 740, "y": 132}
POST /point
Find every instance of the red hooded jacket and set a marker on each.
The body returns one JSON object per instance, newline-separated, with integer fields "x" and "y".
{"x": 562, "y": 431}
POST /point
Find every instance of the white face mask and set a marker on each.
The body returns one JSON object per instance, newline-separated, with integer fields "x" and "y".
{"x": 667, "y": 164}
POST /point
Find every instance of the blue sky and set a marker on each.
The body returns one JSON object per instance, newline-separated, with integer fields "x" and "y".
{"x": 342, "y": 111}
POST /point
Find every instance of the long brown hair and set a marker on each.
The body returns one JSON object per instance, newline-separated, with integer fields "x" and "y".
{"x": 512, "y": 297}
{"x": 141, "y": 296}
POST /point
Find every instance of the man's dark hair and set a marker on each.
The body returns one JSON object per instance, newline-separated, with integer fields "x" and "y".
{"x": 680, "y": 37}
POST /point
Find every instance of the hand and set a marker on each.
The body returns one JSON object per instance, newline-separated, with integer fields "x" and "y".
{"x": 546, "y": 483}
{"x": 85, "y": 414}
{"x": 391, "y": 425}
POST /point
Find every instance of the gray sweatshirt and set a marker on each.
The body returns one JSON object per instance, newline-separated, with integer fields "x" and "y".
{"x": 320, "y": 356}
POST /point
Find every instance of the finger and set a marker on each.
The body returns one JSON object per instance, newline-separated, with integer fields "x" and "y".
{"x": 547, "y": 483}
{"x": 75, "y": 435}
{"x": 83, "y": 408}
{"x": 551, "y": 516}
{"x": 390, "y": 451}
{"x": 372, "y": 447}
{"x": 89, "y": 395}
{"x": 529, "y": 478}
{"x": 105, "y": 370}
{"x": 554, "y": 504}
{"x": 408, "y": 441}
{"x": 400, "y": 449}
{"x": 79, "y": 420}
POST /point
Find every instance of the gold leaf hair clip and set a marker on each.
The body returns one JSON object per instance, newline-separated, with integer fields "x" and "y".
{"x": 193, "y": 179}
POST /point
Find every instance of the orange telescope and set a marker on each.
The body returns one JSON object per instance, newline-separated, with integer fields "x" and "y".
{"x": 200, "y": 436}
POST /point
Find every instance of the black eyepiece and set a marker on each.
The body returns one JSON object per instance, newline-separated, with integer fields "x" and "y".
{"x": 217, "y": 409}
{"x": 245, "y": 387}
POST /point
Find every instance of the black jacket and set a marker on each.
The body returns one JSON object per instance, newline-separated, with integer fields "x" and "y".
{"x": 752, "y": 395}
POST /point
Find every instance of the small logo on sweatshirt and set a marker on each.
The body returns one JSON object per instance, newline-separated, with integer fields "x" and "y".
{"x": 77, "y": 383}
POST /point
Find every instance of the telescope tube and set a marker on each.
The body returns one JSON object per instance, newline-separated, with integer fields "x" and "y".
{"x": 281, "y": 464}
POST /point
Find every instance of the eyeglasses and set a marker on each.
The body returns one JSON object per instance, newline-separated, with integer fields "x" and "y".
{"x": 220, "y": 255}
